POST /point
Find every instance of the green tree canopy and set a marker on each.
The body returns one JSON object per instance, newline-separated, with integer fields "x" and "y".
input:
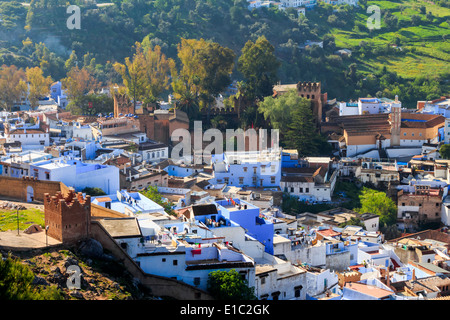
{"x": 206, "y": 69}
{"x": 292, "y": 115}
{"x": 259, "y": 65}
{"x": 16, "y": 283}
{"x": 444, "y": 151}
{"x": 152, "y": 193}
{"x": 379, "y": 203}
{"x": 229, "y": 285}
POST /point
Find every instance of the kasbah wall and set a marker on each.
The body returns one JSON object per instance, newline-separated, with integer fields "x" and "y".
{"x": 68, "y": 215}
{"x": 28, "y": 188}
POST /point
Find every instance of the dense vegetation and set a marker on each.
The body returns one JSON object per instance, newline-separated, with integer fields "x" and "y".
{"x": 16, "y": 283}
{"x": 36, "y": 35}
{"x": 229, "y": 285}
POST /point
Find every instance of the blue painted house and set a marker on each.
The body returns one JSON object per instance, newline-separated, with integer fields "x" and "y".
{"x": 249, "y": 217}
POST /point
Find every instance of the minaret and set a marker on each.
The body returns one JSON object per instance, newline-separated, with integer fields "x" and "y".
{"x": 395, "y": 120}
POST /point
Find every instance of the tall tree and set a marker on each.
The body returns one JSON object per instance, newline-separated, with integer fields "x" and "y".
{"x": 79, "y": 82}
{"x": 12, "y": 85}
{"x": 158, "y": 70}
{"x": 39, "y": 86}
{"x": 293, "y": 117}
{"x": 134, "y": 74}
{"x": 72, "y": 61}
{"x": 206, "y": 69}
{"x": 378, "y": 202}
{"x": 302, "y": 134}
{"x": 259, "y": 65}
{"x": 444, "y": 151}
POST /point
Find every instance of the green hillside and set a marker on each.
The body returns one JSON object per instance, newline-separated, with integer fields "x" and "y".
{"x": 418, "y": 68}
{"x": 426, "y": 45}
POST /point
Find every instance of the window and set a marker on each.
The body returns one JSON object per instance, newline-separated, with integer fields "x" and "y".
{"x": 47, "y": 175}
{"x": 245, "y": 169}
{"x": 175, "y": 262}
{"x": 272, "y": 179}
{"x": 292, "y": 189}
{"x": 254, "y": 170}
{"x": 241, "y": 180}
{"x": 196, "y": 281}
{"x": 263, "y": 280}
{"x": 301, "y": 190}
{"x": 307, "y": 190}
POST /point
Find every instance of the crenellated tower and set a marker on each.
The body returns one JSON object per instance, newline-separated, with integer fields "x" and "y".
{"x": 68, "y": 218}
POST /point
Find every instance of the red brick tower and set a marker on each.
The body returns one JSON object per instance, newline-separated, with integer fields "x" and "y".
{"x": 68, "y": 218}
{"x": 122, "y": 104}
{"x": 312, "y": 91}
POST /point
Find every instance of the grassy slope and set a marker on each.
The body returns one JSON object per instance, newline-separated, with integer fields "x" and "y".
{"x": 432, "y": 55}
{"x": 8, "y": 219}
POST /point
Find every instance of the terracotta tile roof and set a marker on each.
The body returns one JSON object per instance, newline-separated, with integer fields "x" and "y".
{"x": 368, "y": 290}
{"x": 328, "y": 233}
{"x": 421, "y": 120}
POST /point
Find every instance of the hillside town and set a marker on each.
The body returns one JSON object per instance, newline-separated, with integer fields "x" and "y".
{"x": 93, "y": 175}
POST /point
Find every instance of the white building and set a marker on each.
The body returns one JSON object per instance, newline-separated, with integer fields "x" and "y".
{"x": 280, "y": 280}
{"x": 368, "y": 106}
{"x": 250, "y": 168}
{"x": 18, "y": 165}
{"x": 153, "y": 151}
{"x": 74, "y": 173}
{"x": 439, "y": 106}
{"x": 31, "y": 136}
{"x": 309, "y": 184}
{"x": 192, "y": 264}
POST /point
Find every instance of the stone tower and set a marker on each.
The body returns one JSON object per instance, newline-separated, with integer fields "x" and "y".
{"x": 122, "y": 104}
{"x": 68, "y": 218}
{"x": 312, "y": 91}
{"x": 395, "y": 119}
